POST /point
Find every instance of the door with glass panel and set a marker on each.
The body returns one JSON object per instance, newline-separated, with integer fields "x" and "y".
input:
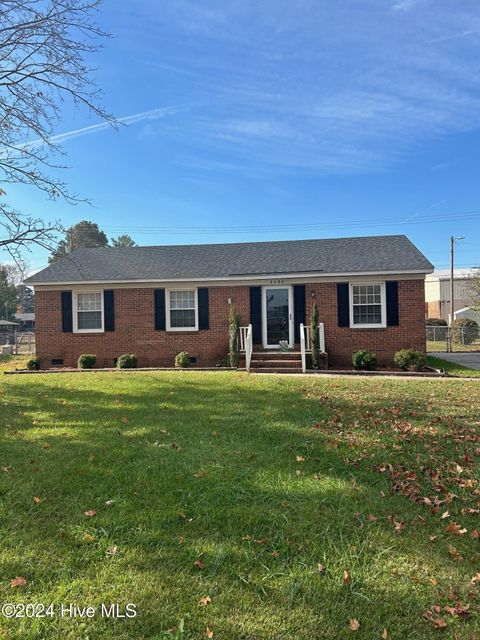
{"x": 277, "y": 316}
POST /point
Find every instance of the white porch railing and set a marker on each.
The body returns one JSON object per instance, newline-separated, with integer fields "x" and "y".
{"x": 321, "y": 331}
{"x": 304, "y": 332}
{"x": 243, "y": 337}
{"x": 305, "y": 342}
{"x": 248, "y": 347}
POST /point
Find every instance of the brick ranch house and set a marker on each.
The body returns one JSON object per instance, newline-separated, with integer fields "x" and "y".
{"x": 158, "y": 301}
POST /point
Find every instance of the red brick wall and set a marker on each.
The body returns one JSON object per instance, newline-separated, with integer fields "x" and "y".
{"x": 341, "y": 342}
{"x": 135, "y": 332}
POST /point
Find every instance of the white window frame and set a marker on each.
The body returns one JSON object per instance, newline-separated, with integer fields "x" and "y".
{"x": 383, "y": 298}
{"x": 75, "y": 312}
{"x": 168, "y": 310}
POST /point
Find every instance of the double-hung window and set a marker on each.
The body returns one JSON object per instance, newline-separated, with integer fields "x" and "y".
{"x": 367, "y": 305}
{"x": 88, "y": 312}
{"x": 182, "y": 310}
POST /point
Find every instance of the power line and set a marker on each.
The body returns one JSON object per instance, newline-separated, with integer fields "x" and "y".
{"x": 283, "y": 228}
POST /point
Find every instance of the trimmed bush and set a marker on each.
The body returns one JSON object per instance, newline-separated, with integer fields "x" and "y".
{"x": 409, "y": 360}
{"x": 314, "y": 336}
{"x": 364, "y": 360}
{"x": 464, "y": 331}
{"x": 86, "y": 361}
{"x": 182, "y": 360}
{"x": 127, "y": 361}
{"x": 233, "y": 337}
{"x": 33, "y": 364}
{"x": 436, "y": 322}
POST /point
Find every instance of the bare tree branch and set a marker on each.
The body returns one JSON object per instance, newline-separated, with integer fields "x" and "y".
{"x": 44, "y": 45}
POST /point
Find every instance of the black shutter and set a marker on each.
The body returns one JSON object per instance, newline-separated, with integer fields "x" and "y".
{"x": 343, "y": 304}
{"x": 203, "y": 308}
{"x": 256, "y": 314}
{"x": 298, "y": 309}
{"x": 109, "y": 309}
{"x": 67, "y": 315}
{"x": 391, "y": 288}
{"x": 159, "y": 305}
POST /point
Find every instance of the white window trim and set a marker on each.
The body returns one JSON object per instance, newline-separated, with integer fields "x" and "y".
{"x": 167, "y": 305}
{"x": 380, "y": 325}
{"x": 75, "y": 312}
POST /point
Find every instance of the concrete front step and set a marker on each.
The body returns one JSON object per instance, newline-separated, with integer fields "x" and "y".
{"x": 276, "y": 370}
{"x": 269, "y": 364}
{"x": 269, "y": 355}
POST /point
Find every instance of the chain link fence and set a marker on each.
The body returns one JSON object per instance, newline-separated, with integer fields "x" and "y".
{"x": 453, "y": 339}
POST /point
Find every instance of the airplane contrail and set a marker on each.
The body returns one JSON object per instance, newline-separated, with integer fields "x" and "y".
{"x": 152, "y": 114}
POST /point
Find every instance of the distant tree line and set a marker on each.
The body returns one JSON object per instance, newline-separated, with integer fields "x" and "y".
{"x": 86, "y": 234}
{"x": 15, "y": 297}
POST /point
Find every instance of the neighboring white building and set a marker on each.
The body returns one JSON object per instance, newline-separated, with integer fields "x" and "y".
{"x": 468, "y": 313}
{"x": 437, "y": 292}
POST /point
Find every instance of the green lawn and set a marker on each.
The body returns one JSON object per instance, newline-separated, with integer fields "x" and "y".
{"x": 440, "y": 346}
{"x": 252, "y": 494}
{"x": 452, "y": 368}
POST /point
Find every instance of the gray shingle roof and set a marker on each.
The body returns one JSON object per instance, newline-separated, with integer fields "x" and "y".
{"x": 211, "y": 261}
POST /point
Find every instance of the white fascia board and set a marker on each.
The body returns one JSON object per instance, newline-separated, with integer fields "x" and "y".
{"x": 238, "y": 278}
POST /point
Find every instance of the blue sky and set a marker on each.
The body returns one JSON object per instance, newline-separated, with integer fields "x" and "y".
{"x": 281, "y": 119}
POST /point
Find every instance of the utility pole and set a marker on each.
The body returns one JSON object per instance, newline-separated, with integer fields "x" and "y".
{"x": 452, "y": 286}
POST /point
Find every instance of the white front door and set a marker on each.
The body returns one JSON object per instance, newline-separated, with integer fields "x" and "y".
{"x": 277, "y": 316}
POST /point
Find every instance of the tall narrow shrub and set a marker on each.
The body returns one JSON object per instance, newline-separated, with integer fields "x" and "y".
{"x": 233, "y": 336}
{"x": 314, "y": 337}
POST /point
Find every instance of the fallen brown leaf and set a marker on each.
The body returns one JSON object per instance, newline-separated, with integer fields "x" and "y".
{"x": 454, "y": 553}
{"x": 354, "y": 624}
{"x": 37, "y": 499}
{"x": 384, "y": 634}
{"x": 199, "y": 564}
{"x": 208, "y": 633}
{"x": 346, "y": 578}
{"x": 90, "y": 513}
{"x": 438, "y": 623}
{"x": 455, "y": 528}
{"x": 204, "y": 600}
{"x": 19, "y": 581}
{"x": 321, "y": 568}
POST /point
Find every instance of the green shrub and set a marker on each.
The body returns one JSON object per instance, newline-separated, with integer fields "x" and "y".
{"x": 464, "y": 331}
{"x": 314, "y": 337}
{"x": 365, "y": 360}
{"x": 33, "y": 364}
{"x": 127, "y": 361}
{"x": 409, "y": 360}
{"x": 436, "y": 322}
{"x": 86, "y": 361}
{"x": 233, "y": 337}
{"x": 182, "y": 359}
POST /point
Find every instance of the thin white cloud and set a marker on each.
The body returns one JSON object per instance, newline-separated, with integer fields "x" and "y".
{"x": 455, "y": 36}
{"x": 405, "y": 5}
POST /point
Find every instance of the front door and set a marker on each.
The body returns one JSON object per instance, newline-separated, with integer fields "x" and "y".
{"x": 277, "y": 316}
